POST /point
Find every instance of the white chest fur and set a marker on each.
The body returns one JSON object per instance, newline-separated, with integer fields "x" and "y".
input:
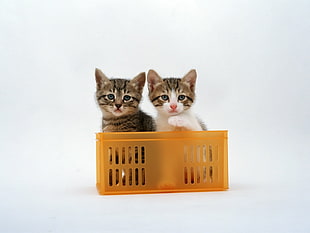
{"x": 181, "y": 122}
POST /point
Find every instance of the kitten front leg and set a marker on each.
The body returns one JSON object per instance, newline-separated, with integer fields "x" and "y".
{"x": 178, "y": 121}
{"x": 184, "y": 123}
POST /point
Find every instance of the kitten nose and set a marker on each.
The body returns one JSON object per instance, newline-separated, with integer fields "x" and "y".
{"x": 173, "y": 106}
{"x": 118, "y": 106}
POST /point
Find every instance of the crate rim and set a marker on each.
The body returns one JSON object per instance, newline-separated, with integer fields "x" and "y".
{"x": 161, "y": 135}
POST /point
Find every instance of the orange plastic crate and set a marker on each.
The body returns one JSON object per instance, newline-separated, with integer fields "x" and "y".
{"x": 155, "y": 162}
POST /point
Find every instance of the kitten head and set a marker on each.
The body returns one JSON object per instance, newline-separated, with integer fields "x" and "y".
{"x": 119, "y": 97}
{"x": 171, "y": 96}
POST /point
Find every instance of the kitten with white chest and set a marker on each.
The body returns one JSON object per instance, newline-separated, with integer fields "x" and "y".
{"x": 119, "y": 101}
{"x": 173, "y": 98}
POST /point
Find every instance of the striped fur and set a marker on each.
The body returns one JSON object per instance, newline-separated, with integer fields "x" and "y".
{"x": 173, "y": 99}
{"x": 119, "y": 101}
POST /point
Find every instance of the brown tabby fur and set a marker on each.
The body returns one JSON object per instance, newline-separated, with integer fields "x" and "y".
{"x": 119, "y": 101}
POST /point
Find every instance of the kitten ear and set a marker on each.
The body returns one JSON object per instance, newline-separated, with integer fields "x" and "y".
{"x": 101, "y": 79}
{"x": 138, "y": 81}
{"x": 190, "y": 79}
{"x": 153, "y": 80}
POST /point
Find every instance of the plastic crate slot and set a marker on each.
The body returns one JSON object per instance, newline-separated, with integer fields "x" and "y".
{"x": 204, "y": 153}
{"x": 123, "y": 155}
{"x": 185, "y": 154}
{"x": 117, "y": 177}
{"x": 192, "y": 175}
{"x": 211, "y": 174}
{"x": 185, "y": 176}
{"x": 137, "y": 176}
{"x": 192, "y": 154}
{"x": 136, "y": 155}
{"x": 110, "y": 154}
{"x": 116, "y": 156}
{"x": 198, "y": 154}
{"x": 142, "y": 155}
{"x": 123, "y": 177}
{"x": 143, "y": 176}
{"x": 198, "y": 175}
{"x": 210, "y": 153}
{"x": 204, "y": 174}
{"x": 110, "y": 177}
{"x": 129, "y": 155}
{"x": 130, "y": 176}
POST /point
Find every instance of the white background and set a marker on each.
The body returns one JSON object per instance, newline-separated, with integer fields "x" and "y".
{"x": 252, "y": 59}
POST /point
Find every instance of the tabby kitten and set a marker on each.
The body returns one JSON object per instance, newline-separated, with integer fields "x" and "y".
{"x": 119, "y": 101}
{"x": 173, "y": 98}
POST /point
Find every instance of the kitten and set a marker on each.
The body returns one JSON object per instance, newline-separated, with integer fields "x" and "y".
{"x": 119, "y": 101}
{"x": 173, "y": 98}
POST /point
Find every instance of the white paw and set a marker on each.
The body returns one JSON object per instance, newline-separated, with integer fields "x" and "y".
{"x": 177, "y": 121}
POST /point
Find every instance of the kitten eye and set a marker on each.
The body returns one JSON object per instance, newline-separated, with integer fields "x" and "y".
{"x": 181, "y": 97}
{"x": 110, "y": 96}
{"x": 126, "y": 97}
{"x": 164, "y": 97}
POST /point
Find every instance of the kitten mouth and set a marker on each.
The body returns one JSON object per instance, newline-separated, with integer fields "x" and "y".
{"x": 117, "y": 112}
{"x": 173, "y": 111}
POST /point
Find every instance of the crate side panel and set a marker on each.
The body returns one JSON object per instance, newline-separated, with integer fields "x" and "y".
{"x": 131, "y": 166}
{"x": 195, "y": 163}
